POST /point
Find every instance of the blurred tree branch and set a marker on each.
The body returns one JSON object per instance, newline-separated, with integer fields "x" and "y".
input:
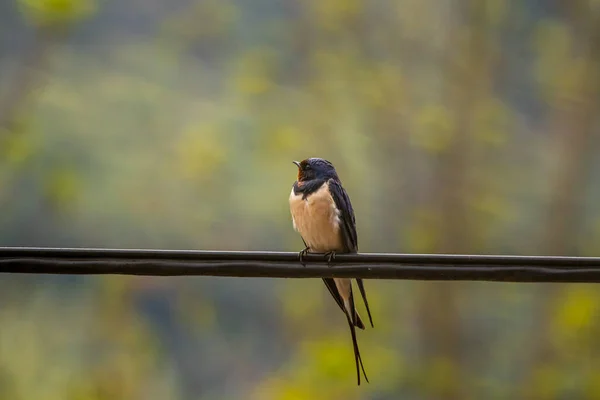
{"x": 465, "y": 71}
{"x": 574, "y": 126}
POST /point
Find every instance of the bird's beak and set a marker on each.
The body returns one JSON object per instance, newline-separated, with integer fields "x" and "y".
{"x": 297, "y": 163}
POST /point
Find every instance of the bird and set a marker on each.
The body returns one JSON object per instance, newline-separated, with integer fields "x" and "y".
{"x": 323, "y": 216}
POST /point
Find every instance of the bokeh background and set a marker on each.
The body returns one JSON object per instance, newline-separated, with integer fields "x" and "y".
{"x": 456, "y": 126}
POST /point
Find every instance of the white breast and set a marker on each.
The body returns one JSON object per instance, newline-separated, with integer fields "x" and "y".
{"x": 317, "y": 219}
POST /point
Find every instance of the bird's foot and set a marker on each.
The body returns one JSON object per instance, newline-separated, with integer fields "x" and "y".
{"x": 302, "y": 254}
{"x": 330, "y": 255}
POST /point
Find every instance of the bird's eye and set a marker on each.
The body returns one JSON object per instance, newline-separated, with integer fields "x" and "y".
{"x": 307, "y": 167}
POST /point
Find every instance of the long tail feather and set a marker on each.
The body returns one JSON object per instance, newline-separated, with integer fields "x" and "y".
{"x": 357, "y": 357}
{"x": 363, "y": 293}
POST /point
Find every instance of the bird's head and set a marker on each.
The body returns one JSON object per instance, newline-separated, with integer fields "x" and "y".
{"x": 315, "y": 168}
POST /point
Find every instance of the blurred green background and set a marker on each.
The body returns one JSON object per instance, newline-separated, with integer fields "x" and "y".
{"x": 456, "y": 126}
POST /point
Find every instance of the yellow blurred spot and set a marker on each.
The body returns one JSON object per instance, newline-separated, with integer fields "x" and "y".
{"x": 296, "y": 304}
{"x": 421, "y": 232}
{"x": 434, "y": 129}
{"x": 496, "y": 11}
{"x": 16, "y": 148}
{"x": 380, "y": 86}
{"x": 285, "y": 138}
{"x": 52, "y": 12}
{"x": 330, "y": 357}
{"x": 200, "y": 151}
{"x": 562, "y": 75}
{"x": 544, "y": 383}
{"x": 443, "y": 375}
{"x": 576, "y": 313}
{"x": 208, "y": 18}
{"x": 283, "y": 389}
{"x": 254, "y": 72}
{"x": 492, "y": 122}
{"x": 493, "y": 205}
{"x": 295, "y": 392}
{"x": 383, "y": 361}
{"x": 592, "y": 387}
{"x": 248, "y": 83}
{"x": 552, "y": 39}
{"x": 62, "y": 186}
{"x": 335, "y": 15}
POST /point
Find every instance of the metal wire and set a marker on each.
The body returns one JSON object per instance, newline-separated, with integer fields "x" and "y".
{"x": 251, "y": 264}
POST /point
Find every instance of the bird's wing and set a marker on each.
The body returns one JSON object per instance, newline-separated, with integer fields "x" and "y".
{"x": 348, "y": 229}
{"x": 347, "y": 221}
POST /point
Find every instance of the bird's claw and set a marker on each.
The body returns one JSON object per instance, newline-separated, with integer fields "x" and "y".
{"x": 301, "y": 255}
{"x": 330, "y": 255}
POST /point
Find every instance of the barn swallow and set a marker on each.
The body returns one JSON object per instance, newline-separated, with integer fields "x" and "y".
{"x": 323, "y": 215}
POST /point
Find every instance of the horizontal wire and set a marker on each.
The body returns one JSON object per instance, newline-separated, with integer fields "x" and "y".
{"x": 252, "y": 264}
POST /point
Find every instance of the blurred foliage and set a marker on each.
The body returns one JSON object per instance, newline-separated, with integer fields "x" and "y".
{"x": 456, "y": 126}
{"x": 47, "y": 13}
